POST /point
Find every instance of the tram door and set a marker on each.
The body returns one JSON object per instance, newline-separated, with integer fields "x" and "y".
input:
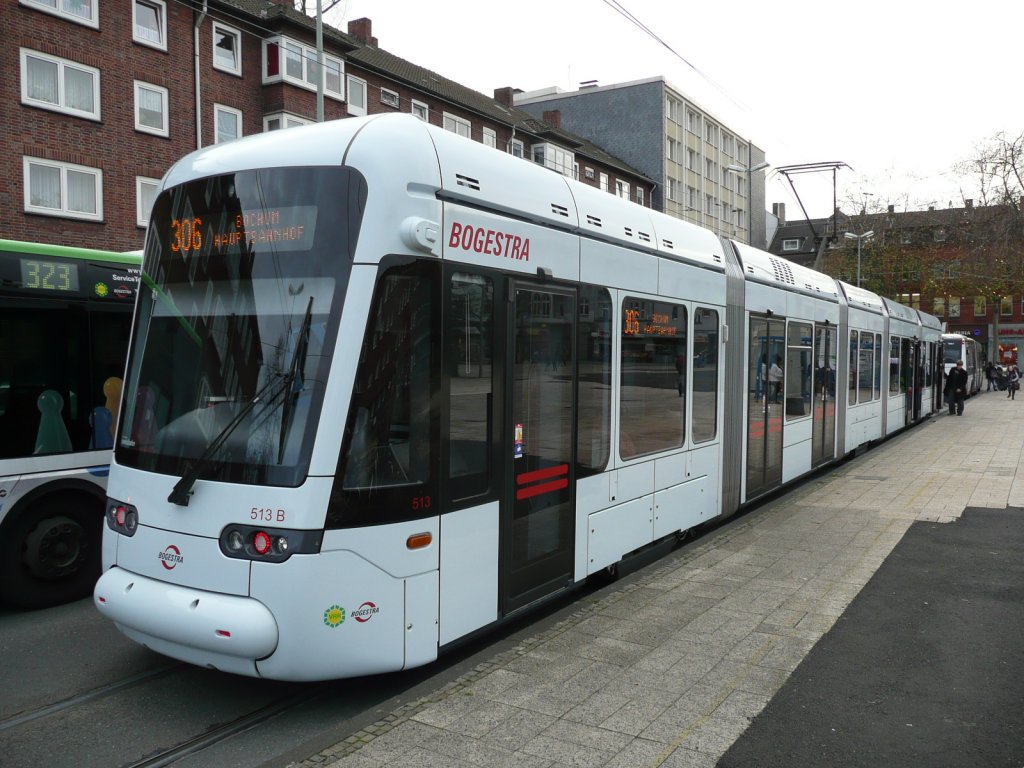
{"x": 537, "y": 522}
{"x": 823, "y": 430}
{"x": 765, "y": 405}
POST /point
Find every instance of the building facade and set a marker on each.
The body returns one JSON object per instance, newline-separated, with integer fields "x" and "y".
{"x": 101, "y": 97}
{"x": 701, "y": 164}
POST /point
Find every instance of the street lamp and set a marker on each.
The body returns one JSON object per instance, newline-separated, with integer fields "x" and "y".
{"x": 735, "y": 168}
{"x": 866, "y": 236}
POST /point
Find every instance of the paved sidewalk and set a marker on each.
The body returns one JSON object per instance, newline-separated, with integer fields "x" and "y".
{"x": 669, "y": 668}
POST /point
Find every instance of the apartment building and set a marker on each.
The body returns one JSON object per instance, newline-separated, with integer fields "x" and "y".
{"x": 701, "y": 164}
{"x": 101, "y": 97}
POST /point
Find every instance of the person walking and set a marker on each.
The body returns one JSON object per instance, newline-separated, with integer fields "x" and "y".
{"x": 990, "y": 372}
{"x": 956, "y": 388}
{"x": 775, "y": 379}
{"x": 1013, "y": 382}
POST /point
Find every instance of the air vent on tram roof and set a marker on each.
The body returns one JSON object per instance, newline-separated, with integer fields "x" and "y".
{"x": 667, "y": 244}
{"x": 467, "y": 181}
{"x": 644, "y": 237}
{"x": 783, "y": 271}
{"x": 559, "y": 210}
{"x": 594, "y": 220}
{"x": 717, "y": 258}
{"x": 629, "y": 232}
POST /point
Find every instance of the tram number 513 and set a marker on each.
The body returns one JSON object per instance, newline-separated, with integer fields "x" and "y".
{"x": 267, "y": 515}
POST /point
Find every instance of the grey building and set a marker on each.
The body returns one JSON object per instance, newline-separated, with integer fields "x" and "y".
{"x": 701, "y": 163}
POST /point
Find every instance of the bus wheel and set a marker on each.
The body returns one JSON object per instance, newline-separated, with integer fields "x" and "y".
{"x": 51, "y": 552}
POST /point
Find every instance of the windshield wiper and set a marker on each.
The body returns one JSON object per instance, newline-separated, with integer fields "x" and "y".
{"x": 295, "y": 383}
{"x": 286, "y": 383}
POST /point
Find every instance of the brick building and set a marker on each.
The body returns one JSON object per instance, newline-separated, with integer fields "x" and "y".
{"x": 98, "y": 102}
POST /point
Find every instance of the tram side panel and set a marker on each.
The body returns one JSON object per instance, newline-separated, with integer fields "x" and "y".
{"x": 863, "y": 397}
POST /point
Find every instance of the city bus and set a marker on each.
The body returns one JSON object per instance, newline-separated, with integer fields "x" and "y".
{"x": 65, "y": 319}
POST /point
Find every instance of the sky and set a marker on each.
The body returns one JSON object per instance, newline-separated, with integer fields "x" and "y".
{"x": 901, "y": 91}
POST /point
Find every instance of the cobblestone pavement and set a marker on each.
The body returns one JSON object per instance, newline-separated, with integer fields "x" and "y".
{"x": 669, "y": 669}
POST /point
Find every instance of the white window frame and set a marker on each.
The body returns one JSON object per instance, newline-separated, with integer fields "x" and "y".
{"x": 92, "y": 21}
{"x": 640, "y": 195}
{"x": 354, "y": 85}
{"x": 219, "y": 28}
{"x": 308, "y": 54}
{"x": 791, "y": 244}
{"x": 285, "y": 118}
{"x": 622, "y": 189}
{"x": 490, "y": 138}
{"x": 63, "y": 212}
{"x": 390, "y": 98}
{"x": 603, "y": 182}
{"x": 517, "y": 148}
{"x": 454, "y": 123}
{"x": 161, "y": 8}
{"x": 420, "y": 110}
{"x": 165, "y": 130}
{"x": 141, "y": 216}
{"x": 62, "y": 65}
{"x": 218, "y": 110}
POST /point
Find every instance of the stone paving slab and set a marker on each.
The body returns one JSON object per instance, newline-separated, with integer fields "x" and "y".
{"x": 669, "y": 668}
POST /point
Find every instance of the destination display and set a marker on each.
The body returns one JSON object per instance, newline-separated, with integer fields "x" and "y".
{"x": 43, "y": 275}
{"x": 291, "y": 228}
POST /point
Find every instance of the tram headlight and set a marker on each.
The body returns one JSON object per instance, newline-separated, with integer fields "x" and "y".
{"x": 271, "y": 545}
{"x": 122, "y": 518}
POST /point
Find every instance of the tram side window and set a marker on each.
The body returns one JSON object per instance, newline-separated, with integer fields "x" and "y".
{"x": 904, "y": 365}
{"x": 654, "y": 377}
{"x": 876, "y": 381}
{"x": 866, "y": 359}
{"x": 388, "y": 465}
{"x": 594, "y": 353}
{"x": 469, "y": 351}
{"x": 705, "y": 374}
{"x": 894, "y": 365}
{"x": 854, "y": 342}
{"x": 798, "y": 371}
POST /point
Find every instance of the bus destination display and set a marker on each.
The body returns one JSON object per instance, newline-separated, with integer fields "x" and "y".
{"x": 41, "y": 275}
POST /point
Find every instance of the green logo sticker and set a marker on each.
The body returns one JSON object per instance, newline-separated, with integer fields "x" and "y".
{"x": 101, "y": 289}
{"x": 334, "y": 616}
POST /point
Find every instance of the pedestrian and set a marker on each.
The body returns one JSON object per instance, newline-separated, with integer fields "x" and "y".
{"x": 775, "y": 379}
{"x": 990, "y": 372}
{"x": 956, "y": 388}
{"x": 1013, "y": 383}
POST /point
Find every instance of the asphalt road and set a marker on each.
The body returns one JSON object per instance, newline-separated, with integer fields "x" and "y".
{"x": 925, "y": 668}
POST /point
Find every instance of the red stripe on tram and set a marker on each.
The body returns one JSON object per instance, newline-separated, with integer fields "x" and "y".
{"x": 537, "y": 490}
{"x": 542, "y": 474}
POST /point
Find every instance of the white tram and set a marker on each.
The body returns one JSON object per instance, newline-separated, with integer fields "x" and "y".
{"x": 388, "y": 387}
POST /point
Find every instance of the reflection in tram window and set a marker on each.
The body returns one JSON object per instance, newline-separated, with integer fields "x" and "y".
{"x": 854, "y": 341}
{"x": 469, "y": 340}
{"x": 705, "y": 374}
{"x": 652, "y": 401}
{"x": 865, "y": 361}
{"x": 594, "y": 353}
{"x": 798, "y": 371}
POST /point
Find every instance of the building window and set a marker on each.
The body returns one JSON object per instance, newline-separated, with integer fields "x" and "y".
{"x": 228, "y": 123}
{"x": 791, "y": 244}
{"x": 389, "y": 98}
{"x": 692, "y": 198}
{"x": 691, "y": 160}
{"x": 692, "y": 121}
{"x": 490, "y": 138}
{"x": 954, "y": 306}
{"x": 672, "y": 149}
{"x": 63, "y": 189}
{"x": 420, "y": 110}
{"x": 726, "y": 143}
{"x": 711, "y": 134}
{"x": 604, "y": 182}
{"x": 939, "y": 234}
{"x": 279, "y": 120}
{"x": 457, "y": 125}
{"x": 79, "y": 11}
{"x": 709, "y": 203}
{"x": 640, "y": 195}
{"x": 227, "y": 49}
{"x": 292, "y": 62}
{"x": 912, "y": 300}
{"x": 1006, "y": 306}
{"x": 149, "y": 22}
{"x": 980, "y": 308}
{"x": 672, "y": 190}
{"x": 356, "y": 95}
{"x": 939, "y": 306}
{"x": 145, "y": 194}
{"x": 59, "y": 85}
{"x": 554, "y": 157}
{"x": 622, "y": 189}
{"x": 151, "y": 109}
{"x": 517, "y": 148}
{"x": 710, "y": 170}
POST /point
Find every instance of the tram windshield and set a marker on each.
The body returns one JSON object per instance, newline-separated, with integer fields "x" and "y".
{"x": 243, "y": 280}
{"x": 952, "y": 350}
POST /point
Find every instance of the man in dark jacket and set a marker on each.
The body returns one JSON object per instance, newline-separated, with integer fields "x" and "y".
{"x": 956, "y": 388}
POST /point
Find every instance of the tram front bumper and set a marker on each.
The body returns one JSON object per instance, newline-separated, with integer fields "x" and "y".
{"x": 193, "y": 625}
